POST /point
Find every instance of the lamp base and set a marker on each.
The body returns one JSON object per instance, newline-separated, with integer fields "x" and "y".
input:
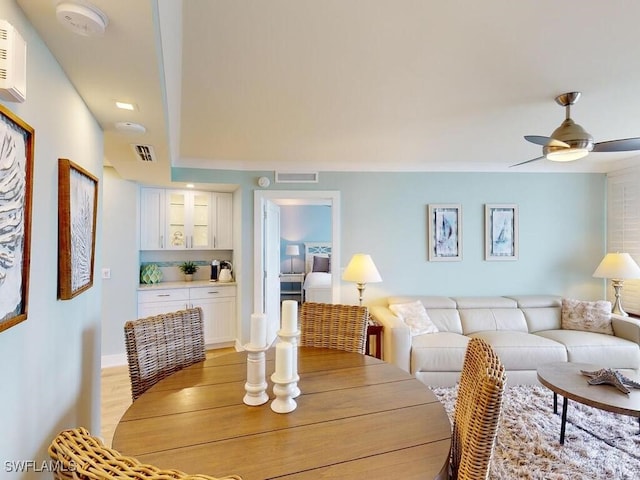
{"x": 617, "y": 305}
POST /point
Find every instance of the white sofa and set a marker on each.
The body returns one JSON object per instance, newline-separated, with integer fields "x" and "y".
{"x": 525, "y": 332}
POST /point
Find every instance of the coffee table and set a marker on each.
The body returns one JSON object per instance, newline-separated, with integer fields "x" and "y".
{"x": 564, "y": 378}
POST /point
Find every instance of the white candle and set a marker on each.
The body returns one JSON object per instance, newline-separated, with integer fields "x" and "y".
{"x": 284, "y": 361}
{"x": 258, "y": 330}
{"x": 289, "y": 316}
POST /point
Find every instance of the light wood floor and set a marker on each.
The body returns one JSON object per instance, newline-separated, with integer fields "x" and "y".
{"x": 116, "y": 395}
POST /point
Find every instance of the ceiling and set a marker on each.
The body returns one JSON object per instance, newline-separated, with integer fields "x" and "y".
{"x": 358, "y": 85}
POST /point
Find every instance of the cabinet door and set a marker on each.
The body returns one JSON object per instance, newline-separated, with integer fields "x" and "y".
{"x": 223, "y": 236}
{"x": 201, "y": 232}
{"x": 219, "y": 312}
{"x": 188, "y": 220}
{"x": 157, "y": 301}
{"x": 152, "y": 203}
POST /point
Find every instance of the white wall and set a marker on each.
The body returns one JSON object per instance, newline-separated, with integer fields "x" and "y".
{"x": 49, "y": 364}
{"x": 120, "y": 255}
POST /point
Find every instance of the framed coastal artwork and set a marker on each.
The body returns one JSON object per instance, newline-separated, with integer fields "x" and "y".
{"x": 445, "y": 232}
{"x": 501, "y": 232}
{"x": 77, "y": 213}
{"x": 16, "y": 190}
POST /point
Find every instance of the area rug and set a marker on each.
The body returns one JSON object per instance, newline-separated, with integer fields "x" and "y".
{"x": 598, "y": 445}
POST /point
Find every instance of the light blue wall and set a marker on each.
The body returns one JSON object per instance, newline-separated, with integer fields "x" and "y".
{"x": 562, "y": 230}
{"x": 299, "y": 224}
{"x": 49, "y": 364}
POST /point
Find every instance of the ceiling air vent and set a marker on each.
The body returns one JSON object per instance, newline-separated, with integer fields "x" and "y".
{"x": 144, "y": 153}
{"x": 296, "y": 177}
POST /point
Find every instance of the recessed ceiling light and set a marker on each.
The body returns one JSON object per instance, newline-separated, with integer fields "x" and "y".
{"x": 190, "y": 185}
{"x": 126, "y": 105}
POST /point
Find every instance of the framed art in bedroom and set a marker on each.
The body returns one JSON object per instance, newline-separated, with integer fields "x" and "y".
{"x": 445, "y": 232}
{"x": 16, "y": 191}
{"x": 501, "y": 232}
{"x": 77, "y": 214}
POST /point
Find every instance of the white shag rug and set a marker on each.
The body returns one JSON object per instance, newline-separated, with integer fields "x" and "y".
{"x": 598, "y": 444}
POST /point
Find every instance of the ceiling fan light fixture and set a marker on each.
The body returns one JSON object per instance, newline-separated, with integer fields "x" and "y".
{"x": 567, "y": 154}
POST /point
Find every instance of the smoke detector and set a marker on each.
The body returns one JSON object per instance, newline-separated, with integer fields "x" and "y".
{"x": 82, "y": 18}
{"x": 130, "y": 127}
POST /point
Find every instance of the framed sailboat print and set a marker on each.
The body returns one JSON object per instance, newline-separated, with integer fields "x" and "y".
{"x": 501, "y": 232}
{"x": 445, "y": 232}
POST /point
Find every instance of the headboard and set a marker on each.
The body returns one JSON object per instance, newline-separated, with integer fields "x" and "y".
{"x": 315, "y": 249}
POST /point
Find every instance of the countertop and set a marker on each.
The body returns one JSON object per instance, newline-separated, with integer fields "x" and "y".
{"x": 195, "y": 283}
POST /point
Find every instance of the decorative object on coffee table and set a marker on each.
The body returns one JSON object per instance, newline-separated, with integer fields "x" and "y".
{"x": 610, "y": 377}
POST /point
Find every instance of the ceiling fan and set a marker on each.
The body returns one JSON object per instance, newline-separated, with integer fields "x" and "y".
{"x": 570, "y": 141}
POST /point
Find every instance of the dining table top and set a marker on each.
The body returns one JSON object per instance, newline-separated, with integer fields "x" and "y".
{"x": 356, "y": 418}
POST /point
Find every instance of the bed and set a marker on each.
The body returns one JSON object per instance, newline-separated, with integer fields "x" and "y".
{"x": 317, "y": 267}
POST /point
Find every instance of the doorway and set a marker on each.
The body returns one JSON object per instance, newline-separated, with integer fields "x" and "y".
{"x": 267, "y": 248}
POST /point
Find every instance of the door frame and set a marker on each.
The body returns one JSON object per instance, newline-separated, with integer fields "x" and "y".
{"x": 260, "y": 196}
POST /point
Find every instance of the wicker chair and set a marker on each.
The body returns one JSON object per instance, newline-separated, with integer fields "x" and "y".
{"x": 161, "y": 345}
{"x": 80, "y": 456}
{"x": 342, "y": 327}
{"x": 477, "y": 412}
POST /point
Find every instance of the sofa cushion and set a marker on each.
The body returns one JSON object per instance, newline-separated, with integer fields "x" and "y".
{"x": 481, "y": 319}
{"x": 429, "y": 301}
{"x": 415, "y": 316}
{"x": 438, "y": 352}
{"x": 521, "y": 350}
{"x": 544, "y": 318}
{"x": 485, "y": 302}
{"x": 598, "y": 348}
{"x": 446, "y": 319}
{"x": 537, "y": 301}
{"x": 587, "y": 316}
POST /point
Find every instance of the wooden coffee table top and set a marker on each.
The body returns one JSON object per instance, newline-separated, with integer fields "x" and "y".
{"x": 564, "y": 378}
{"x": 357, "y": 417}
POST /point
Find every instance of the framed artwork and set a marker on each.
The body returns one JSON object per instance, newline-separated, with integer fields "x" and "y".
{"x": 445, "y": 232}
{"x": 16, "y": 191}
{"x": 501, "y": 232}
{"x": 77, "y": 213}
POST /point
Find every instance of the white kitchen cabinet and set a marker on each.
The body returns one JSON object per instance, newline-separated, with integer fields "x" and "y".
{"x": 189, "y": 220}
{"x": 152, "y": 228}
{"x": 223, "y": 221}
{"x": 218, "y": 304}
{"x": 157, "y": 301}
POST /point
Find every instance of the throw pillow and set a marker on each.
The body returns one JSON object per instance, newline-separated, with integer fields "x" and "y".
{"x": 321, "y": 264}
{"x": 587, "y": 316}
{"x": 415, "y": 316}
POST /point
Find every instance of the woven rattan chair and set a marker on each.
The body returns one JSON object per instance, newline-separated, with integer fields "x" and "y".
{"x": 477, "y": 412}
{"x": 79, "y": 456}
{"x": 342, "y": 327}
{"x": 161, "y": 345}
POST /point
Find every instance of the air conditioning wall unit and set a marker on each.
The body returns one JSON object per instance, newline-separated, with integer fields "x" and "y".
{"x": 13, "y": 64}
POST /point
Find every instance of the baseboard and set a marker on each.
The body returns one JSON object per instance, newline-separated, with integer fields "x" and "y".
{"x": 117, "y": 360}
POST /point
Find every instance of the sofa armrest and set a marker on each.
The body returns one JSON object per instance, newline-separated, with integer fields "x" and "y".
{"x": 396, "y": 337}
{"x": 625, "y": 327}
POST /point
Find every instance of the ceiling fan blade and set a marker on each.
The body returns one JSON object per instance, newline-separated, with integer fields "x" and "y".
{"x": 622, "y": 145}
{"x": 527, "y": 161}
{"x": 545, "y": 141}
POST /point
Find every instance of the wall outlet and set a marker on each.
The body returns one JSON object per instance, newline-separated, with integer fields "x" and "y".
{"x": 106, "y": 273}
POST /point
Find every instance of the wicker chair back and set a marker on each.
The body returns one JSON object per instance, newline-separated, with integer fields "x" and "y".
{"x": 341, "y": 327}
{"x": 160, "y": 345}
{"x": 477, "y": 412}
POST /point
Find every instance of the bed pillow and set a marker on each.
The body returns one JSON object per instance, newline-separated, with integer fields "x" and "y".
{"x": 415, "y": 316}
{"x": 587, "y": 316}
{"x": 321, "y": 264}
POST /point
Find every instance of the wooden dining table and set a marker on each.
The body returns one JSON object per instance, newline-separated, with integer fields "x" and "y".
{"x": 356, "y": 418}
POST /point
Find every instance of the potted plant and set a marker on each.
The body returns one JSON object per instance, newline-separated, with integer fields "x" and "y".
{"x": 188, "y": 268}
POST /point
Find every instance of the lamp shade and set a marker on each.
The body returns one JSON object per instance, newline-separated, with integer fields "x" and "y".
{"x": 618, "y": 266}
{"x": 292, "y": 250}
{"x": 361, "y": 269}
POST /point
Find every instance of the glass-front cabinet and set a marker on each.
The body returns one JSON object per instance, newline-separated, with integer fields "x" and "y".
{"x": 189, "y": 219}
{"x": 185, "y": 219}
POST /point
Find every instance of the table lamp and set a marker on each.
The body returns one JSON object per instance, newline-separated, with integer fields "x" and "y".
{"x": 292, "y": 251}
{"x": 361, "y": 270}
{"x": 617, "y": 267}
